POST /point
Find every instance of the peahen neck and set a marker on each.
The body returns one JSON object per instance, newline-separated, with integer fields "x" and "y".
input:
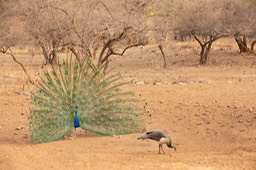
{"x": 76, "y": 121}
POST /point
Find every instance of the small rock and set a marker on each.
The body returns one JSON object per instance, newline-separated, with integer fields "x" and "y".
{"x": 19, "y": 128}
{"x": 183, "y": 84}
{"x": 140, "y": 83}
{"x": 157, "y": 83}
{"x": 17, "y": 92}
{"x": 205, "y": 114}
{"x": 22, "y": 113}
{"x": 241, "y": 130}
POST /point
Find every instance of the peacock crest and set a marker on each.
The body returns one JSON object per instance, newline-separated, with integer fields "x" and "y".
{"x": 72, "y": 90}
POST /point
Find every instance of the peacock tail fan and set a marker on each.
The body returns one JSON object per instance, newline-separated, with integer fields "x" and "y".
{"x": 103, "y": 108}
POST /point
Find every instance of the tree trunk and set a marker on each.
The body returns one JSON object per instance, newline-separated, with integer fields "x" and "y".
{"x": 242, "y": 43}
{"x": 45, "y": 54}
{"x": 252, "y": 45}
{"x": 205, "y": 50}
{"x": 54, "y": 59}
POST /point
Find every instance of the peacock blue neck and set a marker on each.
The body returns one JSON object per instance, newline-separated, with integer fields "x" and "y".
{"x": 76, "y": 122}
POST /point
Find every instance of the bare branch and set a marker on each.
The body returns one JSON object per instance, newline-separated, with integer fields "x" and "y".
{"x": 5, "y": 51}
{"x": 163, "y": 54}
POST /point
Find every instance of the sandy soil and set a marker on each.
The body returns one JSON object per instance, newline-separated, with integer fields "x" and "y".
{"x": 210, "y": 112}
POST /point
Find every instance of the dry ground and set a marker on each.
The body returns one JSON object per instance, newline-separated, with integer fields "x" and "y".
{"x": 210, "y": 112}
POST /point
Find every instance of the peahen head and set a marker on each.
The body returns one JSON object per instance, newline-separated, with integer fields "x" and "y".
{"x": 173, "y": 147}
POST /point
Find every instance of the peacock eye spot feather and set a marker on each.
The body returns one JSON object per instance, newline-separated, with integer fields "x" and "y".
{"x": 117, "y": 89}
{"x": 129, "y": 109}
{"x": 90, "y": 63}
{"x": 126, "y": 131}
{"x": 54, "y": 73}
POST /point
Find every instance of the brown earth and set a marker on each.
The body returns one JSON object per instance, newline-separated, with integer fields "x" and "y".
{"x": 210, "y": 112}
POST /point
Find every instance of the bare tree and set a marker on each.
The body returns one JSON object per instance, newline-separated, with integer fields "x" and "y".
{"x": 159, "y": 18}
{"x": 201, "y": 21}
{"x": 239, "y": 18}
{"x": 87, "y": 28}
{"x": 10, "y": 30}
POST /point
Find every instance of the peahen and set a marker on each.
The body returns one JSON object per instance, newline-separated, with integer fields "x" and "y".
{"x": 159, "y": 136}
{"x": 78, "y": 94}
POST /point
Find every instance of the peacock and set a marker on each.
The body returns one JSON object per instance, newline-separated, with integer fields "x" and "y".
{"x": 77, "y": 93}
{"x": 159, "y": 136}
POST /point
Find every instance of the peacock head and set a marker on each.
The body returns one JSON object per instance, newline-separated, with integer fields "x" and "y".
{"x": 173, "y": 147}
{"x": 76, "y": 109}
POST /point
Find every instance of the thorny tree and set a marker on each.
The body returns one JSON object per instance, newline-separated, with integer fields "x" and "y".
{"x": 207, "y": 21}
{"x": 200, "y": 21}
{"x": 86, "y": 28}
{"x": 239, "y": 18}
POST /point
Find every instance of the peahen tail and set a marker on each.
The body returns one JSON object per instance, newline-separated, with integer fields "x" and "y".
{"x": 73, "y": 90}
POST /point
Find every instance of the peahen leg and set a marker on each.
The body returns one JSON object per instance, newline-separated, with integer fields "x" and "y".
{"x": 162, "y": 149}
{"x": 159, "y": 149}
